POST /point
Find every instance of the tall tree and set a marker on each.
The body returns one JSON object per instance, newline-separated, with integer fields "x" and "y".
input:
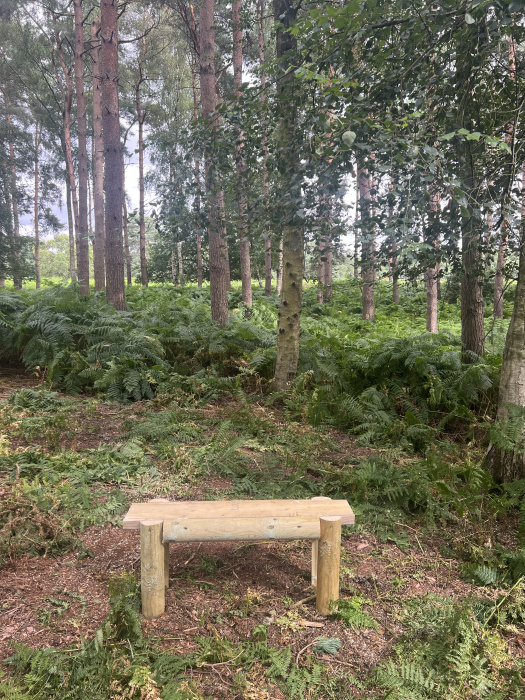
{"x": 36, "y": 219}
{"x": 98, "y": 161}
{"x": 219, "y": 277}
{"x": 290, "y": 174}
{"x": 115, "y": 291}
{"x": 83, "y": 230}
{"x": 244, "y": 243}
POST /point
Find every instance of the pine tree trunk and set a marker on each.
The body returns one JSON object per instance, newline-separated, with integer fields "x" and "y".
{"x": 142, "y": 220}
{"x": 219, "y": 277}
{"x": 98, "y": 163}
{"x": 244, "y": 243}
{"x": 38, "y": 138}
{"x": 356, "y": 230}
{"x": 127, "y": 254}
{"x": 140, "y": 119}
{"x": 197, "y": 203}
{"x": 67, "y": 94}
{"x": 115, "y": 290}
{"x": 266, "y": 184}
{"x": 83, "y": 232}
{"x": 328, "y": 268}
{"x": 367, "y": 245}
{"x": 12, "y": 188}
{"x": 179, "y": 261}
{"x": 320, "y": 270}
{"x": 173, "y": 268}
{"x": 289, "y": 316}
{"x": 71, "y": 231}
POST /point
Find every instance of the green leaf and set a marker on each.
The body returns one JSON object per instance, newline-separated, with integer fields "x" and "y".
{"x": 348, "y": 138}
{"x": 327, "y": 645}
{"x": 474, "y": 136}
{"x": 469, "y": 19}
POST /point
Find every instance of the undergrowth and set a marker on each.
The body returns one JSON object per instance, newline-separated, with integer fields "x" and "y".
{"x": 121, "y": 662}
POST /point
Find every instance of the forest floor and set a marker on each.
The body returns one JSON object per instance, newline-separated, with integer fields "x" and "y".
{"x": 223, "y": 591}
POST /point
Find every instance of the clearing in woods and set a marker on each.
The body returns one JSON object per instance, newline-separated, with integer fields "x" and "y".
{"x": 79, "y": 463}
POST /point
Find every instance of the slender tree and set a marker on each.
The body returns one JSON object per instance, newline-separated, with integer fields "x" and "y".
{"x": 219, "y": 277}
{"x": 244, "y": 243}
{"x": 36, "y": 219}
{"x": 98, "y": 161}
{"x": 83, "y": 230}
{"x": 289, "y": 167}
{"x": 115, "y": 291}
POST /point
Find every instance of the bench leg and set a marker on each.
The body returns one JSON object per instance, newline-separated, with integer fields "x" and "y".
{"x": 167, "y": 564}
{"x": 315, "y": 554}
{"x": 152, "y": 577}
{"x": 329, "y": 559}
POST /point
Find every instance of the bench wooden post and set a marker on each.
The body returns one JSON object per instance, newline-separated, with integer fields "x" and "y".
{"x": 152, "y": 574}
{"x": 315, "y": 545}
{"x": 329, "y": 559}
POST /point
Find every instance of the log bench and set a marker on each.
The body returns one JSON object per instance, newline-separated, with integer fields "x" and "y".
{"x": 161, "y": 521}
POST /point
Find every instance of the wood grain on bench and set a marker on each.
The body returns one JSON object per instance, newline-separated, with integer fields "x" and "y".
{"x": 219, "y": 510}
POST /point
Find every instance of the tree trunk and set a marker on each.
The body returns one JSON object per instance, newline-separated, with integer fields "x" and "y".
{"x": 140, "y": 119}
{"x": 219, "y": 278}
{"x": 280, "y": 267}
{"x": 472, "y": 323}
{"x": 328, "y": 267}
{"x": 127, "y": 254}
{"x": 67, "y": 94}
{"x": 98, "y": 163}
{"x": 142, "y": 220}
{"x": 432, "y": 272}
{"x": 115, "y": 290}
{"x": 198, "y": 182}
{"x": 289, "y": 316}
{"x": 173, "y": 268}
{"x": 367, "y": 245}
{"x": 83, "y": 232}
{"x": 498, "y": 278}
{"x": 244, "y": 243}
{"x": 71, "y": 230}
{"x": 179, "y": 261}
{"x": 507, "y": 466}
{"x": 38, "y": 138}
{"x": 17, "y": 260}
{"x": 320, "y": 270}
{"x": 266, "y": 184}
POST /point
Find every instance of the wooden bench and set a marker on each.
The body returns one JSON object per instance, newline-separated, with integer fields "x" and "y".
{"x": 161, "y": 521}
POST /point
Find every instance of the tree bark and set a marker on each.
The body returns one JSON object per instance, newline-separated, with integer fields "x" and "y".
{"x": 289, "y": 316}
{"x": 197, "y": 181}
{"x": 83, "y": 232}
{"x": 127, "y": 254}
{"x": 180, "y": 269}
{"x": 17, "y": 260}
{"x": 67, "y": 95}
{"x": 266, "y": 184}
{"x": 367, "y": 245}
{"x": 472, "y": 305}
{"x": 98, "y": 163}
{"x": 71, "y": 230}
{"x": 115, "y": 290}
{"x": 280, "y": 267}
{"x": 38, "y": 139}
{"x": 432, "y": 271}
{"x": 219, "y": 277}
{"x": 244, "y": 243}
{"x": 320, "y": 270}
{"x": 510, "y": 466}
{"x": 140, "y": 118}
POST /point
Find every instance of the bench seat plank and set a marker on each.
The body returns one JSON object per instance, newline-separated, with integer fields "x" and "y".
{"x": 240, "y": 529}
{"x": 216, "y": 510}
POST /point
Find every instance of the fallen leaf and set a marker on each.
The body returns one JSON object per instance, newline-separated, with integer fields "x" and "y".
{"x": 363, "y": 545}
